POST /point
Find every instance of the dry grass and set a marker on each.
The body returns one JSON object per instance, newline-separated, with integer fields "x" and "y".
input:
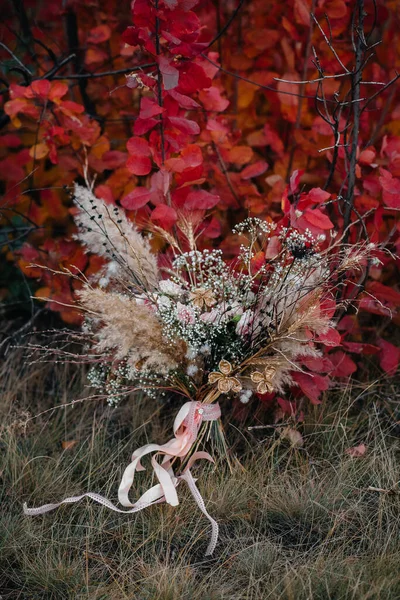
{"x": 296, "y": 524}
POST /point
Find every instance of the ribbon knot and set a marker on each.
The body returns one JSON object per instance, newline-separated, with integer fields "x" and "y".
{"x": 186, "y": 427}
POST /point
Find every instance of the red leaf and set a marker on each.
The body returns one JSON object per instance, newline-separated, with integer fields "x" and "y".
{"x": 328, "y": 306}
{"x": 58, "y": 90}
{"x": 99, "y": 34}
{"x": 192, "y": 156}
{"x": 188, "y": 4}
{"x": 295, "y": 180}
{"x": 360, "y": 348}
{"x": 317, "y": 364}
{"x": 367, "y": 156}
{"x": 185, "y": 125}
{"x": 390, "y": 189}
{"x": 374, "y": 306}
{"x": 273, "y": 140}
{"x": 142, "y": 126}
{"x": 288, "y": 97}
{"x": 311, "y": 385}
{"x": 317, "y": 195}
{"x": 302, "y": 12}
{"x": 10, "y": 140}
{"x": 95, "y": 55}
{"x": 201, "y": 200}
{"x": 68, "y": 107}
{"x": 254, "y": 170}
{"x": 273, "y": 248}
{"x": 139, "y": 165}
{"x": 169, "y": 72}
{"x": 138, "y": 146}
{"x": 39, "y": 88}
{"x": 335, "y": 9}
{"x": 149, "y": 108}
{"x": 213, "y": 229}
{"x": 160, "y": 184}
{"x": 317, "y": 218}
{"x": 356, "y": 451}
{"x": 257, "y": 262}
{"x": 192, "y": 78}
{"x": 104, "y": 192}
{"x": 136, "y": 199}
{"x": 130, "y": 36}
{"x": 389, "y": 356}
{"x": 344, "y": 365}
{"x": 113, "y": 159}
{"x": 240, "y": 155}
{"x": 212, "y": 100}
{"x": 11, "y": 170}
{"x": 17, "y": 91}
{"x": 289, "y": 408}
{"x": 183, "y": 101}
{"x": 164, "y": 215}
{"x": 331, "y": 338}
{"x": 384, "y": 293}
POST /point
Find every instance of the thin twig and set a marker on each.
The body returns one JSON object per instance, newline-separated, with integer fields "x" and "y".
{"x": 159, "y": 83}
{"x": 355, "y": 94}
{"x": 105, "y": 73}
{"x": 227, "y": 24}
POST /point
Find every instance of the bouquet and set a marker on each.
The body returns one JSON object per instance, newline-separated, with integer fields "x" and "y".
{"x": 191, "y": 323}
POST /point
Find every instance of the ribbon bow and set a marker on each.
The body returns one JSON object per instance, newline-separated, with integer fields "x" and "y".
{"x": 186, "y": 427}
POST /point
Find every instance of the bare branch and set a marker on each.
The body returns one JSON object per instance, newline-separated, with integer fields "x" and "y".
{"x": 329, "y": 43}
{"x": 23, "y": 68}
{"x": 355, "y": 93}
{"x": 227, "y": 24}
{"x": 104, "y": 73}
{"x": 159, "y": 84}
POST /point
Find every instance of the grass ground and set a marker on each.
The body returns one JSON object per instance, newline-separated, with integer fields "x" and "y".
{"x": 300, "y": 523}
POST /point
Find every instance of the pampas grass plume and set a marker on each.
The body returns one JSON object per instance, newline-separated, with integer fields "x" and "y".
{"x": 106, "y": 231}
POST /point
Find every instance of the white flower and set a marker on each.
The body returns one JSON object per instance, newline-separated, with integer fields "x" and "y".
{"x": 191, "y": 352}
{"x": 214, "y": 316}
{"x": 205, "y": 349}
{"x": 192, "y": 370}
{"x": 163, "y": 302}
{"x": 186, "y": 314}
{"x": 170, "y": 287}
{"x": 111, "y": 271}
{"x": 376, "y": 262}
{"x": 245, "y": 396}
{"x": 112, "y": 268}
{"x": 104, "y": 281}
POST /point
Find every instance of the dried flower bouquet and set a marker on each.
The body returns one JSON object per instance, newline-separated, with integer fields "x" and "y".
{"x": 193, "y": 324}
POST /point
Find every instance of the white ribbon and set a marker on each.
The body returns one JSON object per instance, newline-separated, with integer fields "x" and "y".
{"x": 186, "y": 427}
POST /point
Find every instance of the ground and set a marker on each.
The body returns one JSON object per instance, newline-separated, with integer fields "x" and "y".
{"x": 310, "y": 522}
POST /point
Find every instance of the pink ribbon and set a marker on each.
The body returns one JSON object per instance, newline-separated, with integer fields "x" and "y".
{"x": 186, "y": 427}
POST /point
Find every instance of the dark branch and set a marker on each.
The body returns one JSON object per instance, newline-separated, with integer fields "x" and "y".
{"x": 71, "y": 22}
{"x": 227, "y": 24}
{"x": 159, "y": 84}
{"x": 104, "y": 73}
{"x": 356, "y": 109}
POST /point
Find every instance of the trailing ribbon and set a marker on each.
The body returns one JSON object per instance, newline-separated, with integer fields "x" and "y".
{"x": 186, "y": 427}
